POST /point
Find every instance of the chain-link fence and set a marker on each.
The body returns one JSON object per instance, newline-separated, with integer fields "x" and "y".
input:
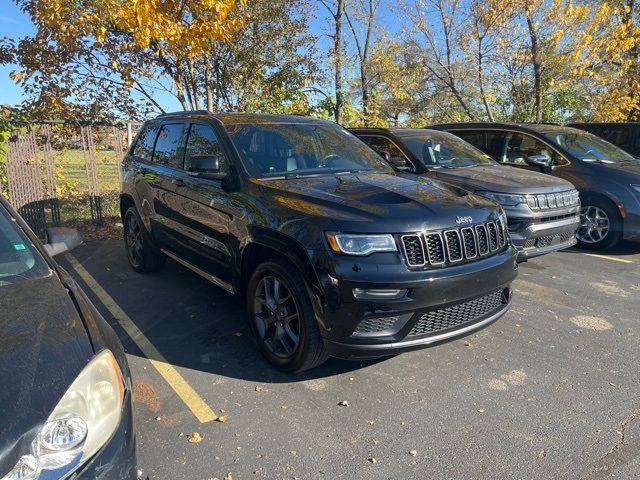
{"x": 59, "y": 173}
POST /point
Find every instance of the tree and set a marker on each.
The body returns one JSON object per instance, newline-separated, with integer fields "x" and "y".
{"x": 336, "y": 10}
{"x": 96, "y": 54}
{"x": 365, "y": 12}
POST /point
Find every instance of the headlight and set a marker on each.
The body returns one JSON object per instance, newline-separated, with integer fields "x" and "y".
{"x": 506, "y": 199}
{"x": 83, "y": 421}
{"x": 636, "y": 188}
{"x": 361, "y": 244}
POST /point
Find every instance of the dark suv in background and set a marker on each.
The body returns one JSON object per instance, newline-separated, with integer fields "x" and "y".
{"x": 542, "y": 211}
{"x": 607, "y": 177}
{"x": 332, "y": 253}
{"x": 625, "y": 135}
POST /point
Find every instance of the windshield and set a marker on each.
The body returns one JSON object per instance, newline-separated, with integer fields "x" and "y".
{"x": 439, "y": 149}
{"x": 588, "y": 147}
{"x": 19, "y": 259}
{"x": 297, "y": 149}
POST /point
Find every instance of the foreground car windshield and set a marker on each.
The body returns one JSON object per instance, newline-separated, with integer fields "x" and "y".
{"x": 277, "y": 149}
{"x": 589, "y": 148}
{"x": 19, "y": 260}
{"x": 443, "y": 150}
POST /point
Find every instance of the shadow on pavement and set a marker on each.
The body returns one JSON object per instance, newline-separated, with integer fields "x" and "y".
{"x": 192, "y": 323}
{"x": 624, "y": 248}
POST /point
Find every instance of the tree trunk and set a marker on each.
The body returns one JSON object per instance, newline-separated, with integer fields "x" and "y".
{"x": 207, "y": 86}
{"x": 487, "y": 107}
{"x": 537, "y": 67}
{"x": 337, "y": 53}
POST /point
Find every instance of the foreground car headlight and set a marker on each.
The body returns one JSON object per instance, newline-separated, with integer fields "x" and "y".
{"x": 83, "y": 421}
{"x": 506, "y": 199}
{"x": 361, "y": 244}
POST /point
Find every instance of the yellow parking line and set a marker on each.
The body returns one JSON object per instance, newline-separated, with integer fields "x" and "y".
{"x": 189, "y": 396}
{"x": 606, "y": 257}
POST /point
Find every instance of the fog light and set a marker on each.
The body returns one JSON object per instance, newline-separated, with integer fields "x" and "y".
{"x": 378, "y": 294}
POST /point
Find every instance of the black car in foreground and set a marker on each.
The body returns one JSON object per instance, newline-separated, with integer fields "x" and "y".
{"x": 542, "y": 211}
{"x": 66, "y": 388}
{"x": 625, "y": 135}
{"x": 607, "y": 177}
{"x": 332, "y": 253}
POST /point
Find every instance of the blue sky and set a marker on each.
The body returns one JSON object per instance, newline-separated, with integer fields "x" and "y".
{"x": 15, "y": 24}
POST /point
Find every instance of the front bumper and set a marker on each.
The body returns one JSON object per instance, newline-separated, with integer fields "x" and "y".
{"x": 439, "y": 304}
{"x": 117, "y": 458}
{"x": 539, "y": 236}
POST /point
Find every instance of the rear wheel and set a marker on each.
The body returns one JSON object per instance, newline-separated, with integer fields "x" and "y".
{"x": 282, "y": 317}
{"x": 142, "y": 255}
{"x": 600, "y": 225}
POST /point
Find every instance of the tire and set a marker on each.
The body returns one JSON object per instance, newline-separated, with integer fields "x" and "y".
{"x": 600, "y": 224}
{"x": 279, "y": 309}
{"x": 143, "y": 256}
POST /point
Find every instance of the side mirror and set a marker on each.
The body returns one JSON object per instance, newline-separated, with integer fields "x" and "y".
{"x": 61, "y": 239}
{"x": 385, "y": 155}
{"x": 400, "y": 164}
{"x": 205, "y": 166}
{"x": 541, "y": 161}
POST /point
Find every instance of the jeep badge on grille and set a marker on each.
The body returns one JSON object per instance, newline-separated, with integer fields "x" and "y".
{"x": 466, "y": 219}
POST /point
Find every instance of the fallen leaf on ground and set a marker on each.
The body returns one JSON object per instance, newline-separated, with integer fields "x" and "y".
{"x": 194, "y": 437}
{"x": 229, "y": 476}
{"x": 413, "y": 453}
{"x": 221, "y": 419}
{"x": 343, "y": 403}
{"x": 370, "y": 422}
{"x": 260, "y": 389}
{"x": 372, "y": 460}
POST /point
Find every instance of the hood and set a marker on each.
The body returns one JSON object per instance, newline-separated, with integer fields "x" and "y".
{"x": 372, "y": 203}
{"x": 502, "y": 179}
{"x": 44, "y": 347}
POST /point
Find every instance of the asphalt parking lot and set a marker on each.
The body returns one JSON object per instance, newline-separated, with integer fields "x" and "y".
{"x": 552, "y": 390}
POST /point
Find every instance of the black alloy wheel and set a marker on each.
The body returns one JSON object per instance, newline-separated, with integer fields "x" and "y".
{"x": 282, "y": 318}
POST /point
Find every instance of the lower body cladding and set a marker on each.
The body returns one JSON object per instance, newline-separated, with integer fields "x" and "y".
{"x": 116, "y": 460}
{"x": 367, "y": 316}
{"x": 534, "y": 237}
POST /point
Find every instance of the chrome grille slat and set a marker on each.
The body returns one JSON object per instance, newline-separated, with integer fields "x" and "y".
{"x": 454, "y": 245}
{"x": 493, "y": 236}
{"x": 469, "y": 242}
{"x": 435, "y": 248}
{"x": 413, "y": 250}
{"x": 501, "y": 235}
{"x": 483, "y": 239}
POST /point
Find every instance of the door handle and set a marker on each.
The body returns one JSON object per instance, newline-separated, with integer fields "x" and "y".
{"x": 178, "y": 182}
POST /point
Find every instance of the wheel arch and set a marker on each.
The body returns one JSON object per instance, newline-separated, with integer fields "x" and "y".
{"x": 265, "y": 244}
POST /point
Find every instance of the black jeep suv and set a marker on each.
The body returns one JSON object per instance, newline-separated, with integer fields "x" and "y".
{"x": 534, "y": 230}
{"x": 607, "y": 177}
{"x": 332, "y": 253}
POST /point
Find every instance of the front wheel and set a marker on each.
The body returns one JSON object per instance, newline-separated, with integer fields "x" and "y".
{"x": 282, "y": 317}
{"x": 600, "y": 225}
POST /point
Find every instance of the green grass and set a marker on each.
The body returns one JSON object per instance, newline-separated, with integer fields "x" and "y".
{"x": 72, "y": 184}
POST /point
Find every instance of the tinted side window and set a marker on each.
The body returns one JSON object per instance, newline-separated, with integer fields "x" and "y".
{"x": 520, "y": 146}
{"x": 473, "y": 137}
{"x": 143, "y": 148}
{"x": 382, "y": 144}
{"x": 204, "y": 141}
{"x": 496, "y": 145}
{"x": 170, "y": 145}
